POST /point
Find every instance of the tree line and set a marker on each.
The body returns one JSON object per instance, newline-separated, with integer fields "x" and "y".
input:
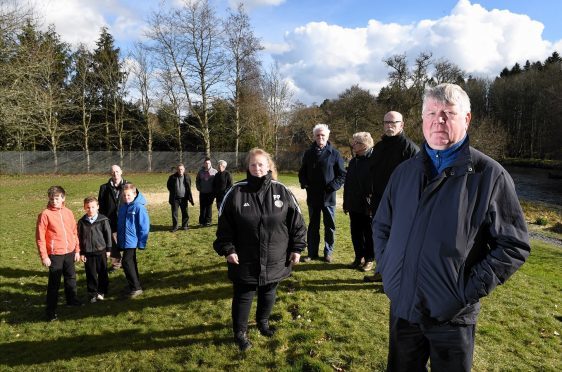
{"x": 196, "y": 83}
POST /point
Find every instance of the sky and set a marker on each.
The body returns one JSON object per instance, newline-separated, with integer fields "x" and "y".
{"x": 323, "y": 47}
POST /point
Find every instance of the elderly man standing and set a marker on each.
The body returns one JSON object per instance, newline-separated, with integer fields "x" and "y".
{"x": 204, "y": 184}
{"x": 322, "y": 173}
{"x": 179, "y": 186}
{"x": 393, "y": 148}
{"x": 221, "y": 183}
{"x": 448, "y": 230}
{"x": 109, "y": 199}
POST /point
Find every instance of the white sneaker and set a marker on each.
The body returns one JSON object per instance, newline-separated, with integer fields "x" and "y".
{"x": 100, "y": 296}
{"x": 93, "y": 300}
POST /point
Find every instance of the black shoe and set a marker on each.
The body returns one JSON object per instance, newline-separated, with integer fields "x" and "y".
{"x": 51, "y": 316}
{"x": 74, "y": 302}
{"x": 242, "y": 341}
{"x": 266, "y": 330}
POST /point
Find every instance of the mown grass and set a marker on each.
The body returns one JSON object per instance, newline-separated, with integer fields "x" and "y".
{"x": 327, "y": 317}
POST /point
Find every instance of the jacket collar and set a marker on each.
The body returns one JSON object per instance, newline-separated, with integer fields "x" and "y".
{"x": 328, "y": 146}
{"x": 462, "y": 165}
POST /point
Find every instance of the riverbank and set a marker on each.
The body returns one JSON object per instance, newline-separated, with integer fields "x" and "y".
{"x": 533, "y": 163}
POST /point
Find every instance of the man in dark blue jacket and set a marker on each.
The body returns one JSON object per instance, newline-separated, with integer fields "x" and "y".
{"x": 448, "y": 230}
{"x": 322, "y": 173}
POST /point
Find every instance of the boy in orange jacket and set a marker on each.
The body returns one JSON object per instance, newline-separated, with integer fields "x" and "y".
{"x": 59, "y": 249}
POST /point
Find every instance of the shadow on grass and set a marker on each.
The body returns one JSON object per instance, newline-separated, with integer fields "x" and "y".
{"x": 333, "y": 285}
{"x": 20, "y": 307}
{"x": 22, "y": 353}
{"x": 319, "y": 266}
{"x": 8, "y": 272}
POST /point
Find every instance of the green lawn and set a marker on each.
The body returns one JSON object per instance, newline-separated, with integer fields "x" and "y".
{"x": 327, "y": 318}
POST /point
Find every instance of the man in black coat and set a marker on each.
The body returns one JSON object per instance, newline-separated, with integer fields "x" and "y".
{"x": 109, "y": 198}
{"x": 448, "y": 230}
{"x": 221, "y": 182}
{"x": 179, "y": 186}
{"x": 322, "y": 173}
{"x": 393, "y": 148}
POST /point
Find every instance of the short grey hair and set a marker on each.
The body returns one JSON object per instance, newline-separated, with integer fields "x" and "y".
{"x": 222, "y": 162}
{"x": 363, "y": 137}
{"x": 319, "y": 127}
{"x": 450, "y": 94}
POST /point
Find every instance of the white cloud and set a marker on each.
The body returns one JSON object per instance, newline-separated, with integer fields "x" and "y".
{"x": 80, "y": 21}
{"x": 323, "y": 60}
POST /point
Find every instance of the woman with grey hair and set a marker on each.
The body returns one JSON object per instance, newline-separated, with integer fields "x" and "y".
{"x": 357, "y": 200}
{"x": 221, "y": 183}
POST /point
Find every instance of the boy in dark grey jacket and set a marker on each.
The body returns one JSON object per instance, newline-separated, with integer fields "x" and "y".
{"x": 94, "y": 233}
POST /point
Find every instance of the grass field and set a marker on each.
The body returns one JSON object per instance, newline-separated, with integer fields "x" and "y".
{"x": 327, "y": 317}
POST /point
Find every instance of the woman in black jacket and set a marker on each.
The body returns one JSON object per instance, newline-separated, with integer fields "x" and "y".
{"x": 261, "y": 233}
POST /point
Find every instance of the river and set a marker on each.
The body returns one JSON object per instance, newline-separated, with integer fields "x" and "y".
{"x": 533, "y": 184}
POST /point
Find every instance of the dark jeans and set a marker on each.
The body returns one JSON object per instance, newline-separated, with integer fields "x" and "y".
{"x": 97, "y": 280}
{"x": 61, "y": 265}
{"x": 220, "y": 198}
{"x": 182, "y": 204}
{"x": 361, "y": 236}
{"x": 449, "y": 347}
{"x": 131, "y": 269}
{"x": 313, "y": 234}
{"x": 206, "y": 208}
{"x": 242, "y": 302}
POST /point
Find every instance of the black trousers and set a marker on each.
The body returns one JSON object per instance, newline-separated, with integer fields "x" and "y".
{"x": 449, "y": 347}
{"x": 131, "y": 269}
{"x": 61, "y": 266}
{"x": 361, "y": 236}
{"x": 206, "y": 208}
{"x": 97, "y": 280}
{"x": 182, "y": 204}
{"x": 242, "y": 303}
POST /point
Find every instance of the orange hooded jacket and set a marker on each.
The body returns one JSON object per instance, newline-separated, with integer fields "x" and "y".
{"x": 56, "y": 232}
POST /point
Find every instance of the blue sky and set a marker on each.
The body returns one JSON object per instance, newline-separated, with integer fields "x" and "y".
{"x": 324, "y": 46}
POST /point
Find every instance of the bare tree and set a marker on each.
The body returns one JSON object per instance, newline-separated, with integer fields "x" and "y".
{"x": 278, "y": 95}
{"x": 189, "y": 40}
{"x": 82, "y": 92}
{"x": 143, "y": 83}
{"x": 446, "y": 72}
{"x": 242, "y": 47}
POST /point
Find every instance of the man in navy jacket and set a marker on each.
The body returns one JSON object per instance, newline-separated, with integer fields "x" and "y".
{"x": 322, "y": 173}
{"x": 448, "y": 230}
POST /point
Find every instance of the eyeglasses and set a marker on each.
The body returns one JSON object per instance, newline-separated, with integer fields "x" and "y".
{"x": 386, "y": 122}
{"x": 433, "y": 114}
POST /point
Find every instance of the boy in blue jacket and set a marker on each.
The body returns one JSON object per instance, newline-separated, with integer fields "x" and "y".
{"x": 133, "y": 225}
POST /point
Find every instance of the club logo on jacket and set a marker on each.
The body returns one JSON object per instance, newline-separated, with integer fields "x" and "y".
{"x": 277, "y": 202}
{"x": 246, "y": 204}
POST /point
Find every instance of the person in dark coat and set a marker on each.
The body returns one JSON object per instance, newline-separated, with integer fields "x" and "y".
{"x": 448, "y": 230}
{"x": 109, "y": 198}
{"x": 393, "y": 148}
{"x": 204, "y": 184}
{"x": 179, "y": 187}
{"x": 357, "y": 194}
{"x": 261, "y": 232}
{"x": 94, "y": 235}
{"x": 322, "y": 173}
{"x": 222, "y": 182}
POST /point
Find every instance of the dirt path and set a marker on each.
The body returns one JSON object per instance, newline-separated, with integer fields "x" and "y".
{"x": 155, "y": 198}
